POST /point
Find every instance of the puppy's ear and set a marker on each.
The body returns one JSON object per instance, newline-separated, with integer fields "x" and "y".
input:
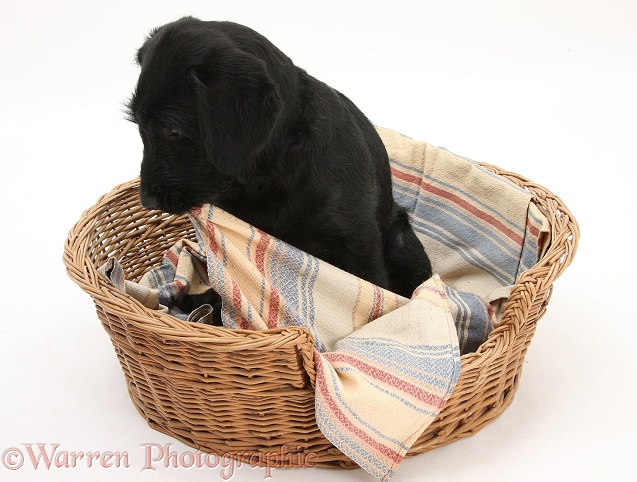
{"x": 139, "y": 57}
{"x": 238, "y": 104}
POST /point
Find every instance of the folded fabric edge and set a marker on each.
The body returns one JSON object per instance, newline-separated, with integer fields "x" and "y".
{"x": 354, "y": 439}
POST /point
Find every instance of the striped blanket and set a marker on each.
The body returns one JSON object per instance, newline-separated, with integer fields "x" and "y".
{"x": 480, "y": 231}
{"x": 377, "y": 354}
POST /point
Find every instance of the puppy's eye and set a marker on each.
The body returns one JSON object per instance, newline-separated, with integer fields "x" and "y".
{"x": 172, "y": 132}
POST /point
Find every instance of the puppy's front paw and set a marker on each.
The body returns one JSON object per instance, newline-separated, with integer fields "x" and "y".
{"x": 189, "y": 303}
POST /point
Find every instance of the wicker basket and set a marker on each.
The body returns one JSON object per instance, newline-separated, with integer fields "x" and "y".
{"x": 241, "y": 392}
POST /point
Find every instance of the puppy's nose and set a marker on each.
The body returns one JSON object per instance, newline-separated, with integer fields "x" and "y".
{"x": 149, "y": 201}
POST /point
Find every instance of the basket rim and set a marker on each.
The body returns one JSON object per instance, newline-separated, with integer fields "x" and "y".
{"x": 558, "y": 256}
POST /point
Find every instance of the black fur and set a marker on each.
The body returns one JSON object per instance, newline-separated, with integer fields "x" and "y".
{"x": 226, "y": 118}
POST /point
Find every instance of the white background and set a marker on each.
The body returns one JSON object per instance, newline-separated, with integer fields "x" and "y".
{"x": 545, "y": 89}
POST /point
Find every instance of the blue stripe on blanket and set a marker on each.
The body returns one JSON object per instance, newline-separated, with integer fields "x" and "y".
{"x": 447, "y": 215}
{"x": 397, "y": 356}
{"x": 492, "y": 210}
{"x": 336, "y": 436}
{"x": 355, "y": 416}
{"x": 464, "y": 227}
{"x": 472, "y": 318}
{"x": 472, "y": 257}
{"x": 389, "y": 393}
{"x": 530, "y": 249}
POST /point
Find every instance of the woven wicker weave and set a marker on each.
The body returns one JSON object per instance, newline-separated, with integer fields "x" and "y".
{"x": 241, "y": 392}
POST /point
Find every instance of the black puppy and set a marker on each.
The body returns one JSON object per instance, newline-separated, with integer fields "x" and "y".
{"x": 227, "y": 119}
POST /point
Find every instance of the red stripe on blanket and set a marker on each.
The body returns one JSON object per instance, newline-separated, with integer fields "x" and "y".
{"x": 391, "y": 380}
{"x": 460, "y": 202}
{"x": 345, "y": 421}
{"x": 533, "y": 229}
{"x": 378, "y": 303}
{"x": 405, "y": 177}
{"x": 442, "y": 294}
{"x": 476, "y": 212}
{"x": 275, "y": 301}
{"x": 260, "y": 253}
{"x": 236, "y": 303}
{"x": 212, "y": 242}
{"x": 172, "y": 257}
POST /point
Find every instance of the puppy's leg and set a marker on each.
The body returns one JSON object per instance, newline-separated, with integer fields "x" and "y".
{"x": 189, "y": 303}
{"x": 407, "y": 263}
{"x": 361, "y": 256}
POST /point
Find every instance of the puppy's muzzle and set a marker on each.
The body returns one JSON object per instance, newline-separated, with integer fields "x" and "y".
{"x": 149, "y": 201}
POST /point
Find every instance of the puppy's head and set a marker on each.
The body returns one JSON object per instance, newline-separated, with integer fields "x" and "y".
{"x": 205, "y": 108}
